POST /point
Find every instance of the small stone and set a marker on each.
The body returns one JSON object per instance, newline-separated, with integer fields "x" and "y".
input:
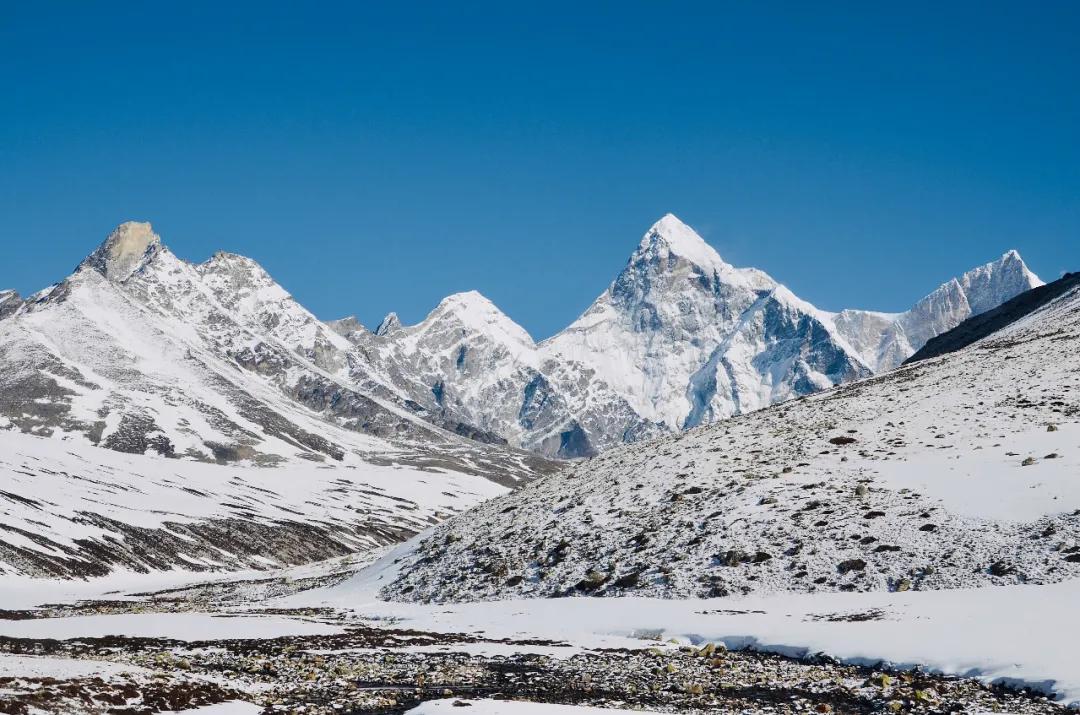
{"x": 1051, "y": 428}
{"x": 861, "y": 490}
{"x": 882, "y": 680}
{"x": 851, "y": 565}
{"x": 1028, "y": 461}
{"x": 1000, "y": 568}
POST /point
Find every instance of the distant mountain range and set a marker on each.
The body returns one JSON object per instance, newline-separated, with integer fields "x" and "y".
{"x": 140, "y": 351}
{"x": 680, "y": 338}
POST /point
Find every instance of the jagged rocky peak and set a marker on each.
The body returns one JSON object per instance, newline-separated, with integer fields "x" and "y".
{"x": 390, "y": 324}
{"x": 990, "y": 285}
{"x": 125, "y": 251}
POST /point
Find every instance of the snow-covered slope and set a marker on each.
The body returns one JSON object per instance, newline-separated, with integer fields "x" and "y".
{"x": 143, "y": 353}
{"x": 466, "y": 363}
{"x": 69, "y": 509}
{"x": 680, "y": 338}
{"x": 953, "y": 472}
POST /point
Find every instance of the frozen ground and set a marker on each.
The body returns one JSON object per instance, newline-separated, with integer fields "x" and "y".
{"x": 505, "y": 707}
{"x": 179, "y": 626}
{"x": 1019, "y": 635}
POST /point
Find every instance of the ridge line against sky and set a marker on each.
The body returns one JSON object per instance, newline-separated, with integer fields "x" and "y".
{"x": 377, "y": 159}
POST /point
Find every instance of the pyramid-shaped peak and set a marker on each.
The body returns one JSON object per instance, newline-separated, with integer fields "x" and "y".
{"x": 680, "y": 240}
{"x": 125, "y": 250}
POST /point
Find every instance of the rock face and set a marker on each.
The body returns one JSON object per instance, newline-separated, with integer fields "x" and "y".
{"x": 947, "y": 473}
{"x": 10, "y": 302}
{"x": 680, "y": 338}
{"x": 127, "y": 249}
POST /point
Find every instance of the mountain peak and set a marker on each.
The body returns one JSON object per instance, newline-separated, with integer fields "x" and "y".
{"x": 389, "y": 324}
{"x": 124, "y": 251}
{"x": 466, "y": 300}
{"x": 474, "y": 311}
{"x": 680, "y": 240}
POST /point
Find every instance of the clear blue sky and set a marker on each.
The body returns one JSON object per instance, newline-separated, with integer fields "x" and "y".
{"x": 378, "y": 156}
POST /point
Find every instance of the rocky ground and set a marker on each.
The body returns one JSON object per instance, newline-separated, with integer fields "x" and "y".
{"x": 380, "y": 668}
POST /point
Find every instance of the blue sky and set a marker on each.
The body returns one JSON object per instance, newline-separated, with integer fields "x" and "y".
{"x": 378, "y": 156}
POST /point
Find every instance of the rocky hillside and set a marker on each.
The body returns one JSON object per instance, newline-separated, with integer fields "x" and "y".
{"x": 952, "y": 472}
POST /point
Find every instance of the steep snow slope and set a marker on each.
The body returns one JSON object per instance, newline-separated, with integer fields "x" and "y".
{"x": 953, "y": 472}
{"x": 680, "y": 338}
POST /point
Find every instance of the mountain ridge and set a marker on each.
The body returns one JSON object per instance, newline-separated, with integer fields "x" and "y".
{"x": 679, "y": 338}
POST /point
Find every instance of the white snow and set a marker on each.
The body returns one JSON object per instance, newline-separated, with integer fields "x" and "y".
{"x": 178, "y": 626}
{"x": 231, "y": 707}
{"x": 31, "y": 666}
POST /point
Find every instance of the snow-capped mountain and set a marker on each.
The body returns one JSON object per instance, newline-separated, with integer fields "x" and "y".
{"x": 143, "y": 353}
{"x": 957, "y": 471}
{"x": 884, "y": 341}
{"x": 680, "y": 338}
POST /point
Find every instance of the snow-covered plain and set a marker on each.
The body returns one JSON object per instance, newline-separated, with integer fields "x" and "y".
{"x": 29, "y": 666}
{"x": 177, "y": 626}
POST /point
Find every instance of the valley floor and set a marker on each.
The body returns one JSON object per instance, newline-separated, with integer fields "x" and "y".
{"x": 317, "y": 640}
